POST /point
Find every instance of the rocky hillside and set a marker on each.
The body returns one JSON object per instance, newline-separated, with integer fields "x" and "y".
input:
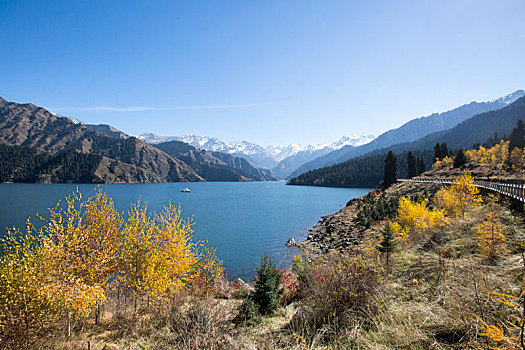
{"x": 345, "y": 228}
{"x": 39, "y": 146}
{"x": 214, "y": 166}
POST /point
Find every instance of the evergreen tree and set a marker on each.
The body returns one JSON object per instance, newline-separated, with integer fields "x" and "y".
{"x": 411, "y": 164}
{"x": 444, "y": 150}
{"x": 421, "y": 166}
{"x": 437, "y": 152}
{"x": 516, "y": 140}
{"x": 390, "y": 175}
{"x": 388, "y": 243}
{"x": 266, "y": 294}
{"x": 460, "y": 159}
{"x": 517, "y": 136}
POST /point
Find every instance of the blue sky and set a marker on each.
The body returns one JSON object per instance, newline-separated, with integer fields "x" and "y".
{"x": 272, "y": 72}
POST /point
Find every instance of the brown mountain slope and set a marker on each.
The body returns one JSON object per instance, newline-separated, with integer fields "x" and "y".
{"x": 136, "y": 161}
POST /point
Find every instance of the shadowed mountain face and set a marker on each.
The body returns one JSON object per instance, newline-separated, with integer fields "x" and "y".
{"x": 411, "y": 131}
{"x": 367, "y": 170}
{"x": 282, "y": 159}
{"x": 108, "y": 130}
{"x": 214, "y": 166}
{"x": 41, "y": 147}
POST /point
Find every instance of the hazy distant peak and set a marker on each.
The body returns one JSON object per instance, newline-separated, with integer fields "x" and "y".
{"x": 510, "y": 98}
{"x": 257, "y": 154}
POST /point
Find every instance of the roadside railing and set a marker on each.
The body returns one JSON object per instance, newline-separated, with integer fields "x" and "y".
{"x": 511, "y": 190}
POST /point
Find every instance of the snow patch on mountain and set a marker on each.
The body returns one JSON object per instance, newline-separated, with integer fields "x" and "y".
{"x": 510, "y": 98}
{"x": 261, "y": 156}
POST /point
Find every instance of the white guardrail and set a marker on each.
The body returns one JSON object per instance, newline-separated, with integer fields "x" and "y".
{"x": 511, "y": 190}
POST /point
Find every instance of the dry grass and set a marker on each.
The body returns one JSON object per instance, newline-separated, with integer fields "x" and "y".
{"x": 437, "y": 286}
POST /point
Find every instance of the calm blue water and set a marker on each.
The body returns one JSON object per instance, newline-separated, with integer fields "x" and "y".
{"x": 239, "y": 219}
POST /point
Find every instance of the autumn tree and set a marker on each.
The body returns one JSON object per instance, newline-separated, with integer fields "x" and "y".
{"x": 80, "y": 252}
{"x": 158, "y": 257}
{"x": 458, "y": 197}
{"x": 490, "y": 236}
{"x": 416, "y": 217}
{"x": 517, "y": 158}
{"x": 25, "y": 312}
{"x": 390, "y": 174}
{"x": 175, "y": 254}
{"x": 137, "y": 243}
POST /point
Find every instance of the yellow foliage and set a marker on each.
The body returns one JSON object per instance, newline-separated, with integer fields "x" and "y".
{"x": 416, "y": 217}
{"x": 24, "y": 310}
{"x": 517, "y": 158}
{"x": 494, "y": 156}
{"x": 438, "y": 165}
{"x": 446, "y": 162}
{"x": 158, "y": 257}
{"x": 64, "y": 269}
{"x": 79, "y": 249}
{"x": 505, "y": 332}
{"x": 458, "y": 197}
{"x": 490, "y": 237}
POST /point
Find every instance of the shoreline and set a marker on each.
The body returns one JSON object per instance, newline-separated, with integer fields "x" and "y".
{"x": 339, "y": 231}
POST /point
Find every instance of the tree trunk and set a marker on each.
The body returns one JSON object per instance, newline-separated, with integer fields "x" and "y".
{"x": 69, "y": 325}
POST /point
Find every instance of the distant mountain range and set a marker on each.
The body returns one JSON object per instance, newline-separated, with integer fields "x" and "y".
{"x": 281, "y": 159}
{"x": 367, "y": 170}
{"x": 39, "y": 146}
{"x": 411, "y": 131}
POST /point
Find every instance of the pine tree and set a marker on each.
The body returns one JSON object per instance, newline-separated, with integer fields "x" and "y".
{"x": 390, "y": 175}
{"x": 267, "y": 286}
{"x": 411, "y": 165}
{"x": 445, "y": 152}
{"x": 388, "y": 243}
{"x": 437, "y": 152}
{"x": 421, "y": 166}
{"x": 460, "y": 159}
{"x": 516, "y": 140}
{"x": 517, "y": 136}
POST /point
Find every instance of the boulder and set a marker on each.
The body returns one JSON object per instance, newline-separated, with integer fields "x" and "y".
{"x": 291, "y": 242}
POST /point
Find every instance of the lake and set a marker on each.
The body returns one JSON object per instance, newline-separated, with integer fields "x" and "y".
{"x": 239, "y": 219}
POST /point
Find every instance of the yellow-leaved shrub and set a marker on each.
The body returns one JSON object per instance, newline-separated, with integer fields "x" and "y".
{"x": 414, "y": 218}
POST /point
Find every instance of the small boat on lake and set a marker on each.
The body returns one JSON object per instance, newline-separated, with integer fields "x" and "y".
{"x": 185, "y": 190}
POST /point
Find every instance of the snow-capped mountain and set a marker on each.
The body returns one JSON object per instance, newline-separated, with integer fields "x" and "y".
{"x": 264, "y": 157}
{"x": 510, "y": 98}
{"x": 283, "y": 152}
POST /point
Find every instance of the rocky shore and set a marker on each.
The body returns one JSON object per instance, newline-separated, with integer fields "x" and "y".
{"x": 342, "y": 231}
{"x": 339, "y": 231}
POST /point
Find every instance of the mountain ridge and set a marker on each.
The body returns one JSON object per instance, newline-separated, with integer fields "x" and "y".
{"x": 47, "y": 142}
{"x": 281, "y": 159}
{"x": 475, "y": 130}
{"x": 412, "y": 131}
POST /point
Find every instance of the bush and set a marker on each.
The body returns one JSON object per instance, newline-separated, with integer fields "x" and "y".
{"x": 340, "y": 289}
{"x": 289, "y": 286}
{"x": 248, "y": 312}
